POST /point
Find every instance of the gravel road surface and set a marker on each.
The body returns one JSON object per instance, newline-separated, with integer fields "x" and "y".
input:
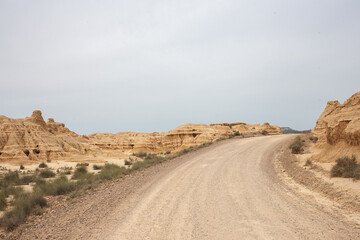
{"x": 227, "y": 191}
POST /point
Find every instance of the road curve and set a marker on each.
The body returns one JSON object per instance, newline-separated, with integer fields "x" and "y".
{"x": 229, "y": 192}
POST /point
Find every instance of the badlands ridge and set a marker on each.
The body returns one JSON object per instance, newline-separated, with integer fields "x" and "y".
{"x": 338, "y": 130}
{"x": 33, "y": 139}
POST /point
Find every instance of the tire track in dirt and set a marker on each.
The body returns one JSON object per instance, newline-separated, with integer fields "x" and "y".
{"x": 229, "y": 190}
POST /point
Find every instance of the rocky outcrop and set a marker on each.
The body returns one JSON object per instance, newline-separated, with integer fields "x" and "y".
{"x": 338, "y": 130}
{"x": 265, "y": 128}
{"x": 180, "y": 138}
{"x": 34, "y": 139}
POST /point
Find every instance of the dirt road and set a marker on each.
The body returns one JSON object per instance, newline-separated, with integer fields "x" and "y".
{"x": 227, "y": 191}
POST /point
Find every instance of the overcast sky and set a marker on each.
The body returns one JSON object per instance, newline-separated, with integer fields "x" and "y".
{"x": 110, "y": 66}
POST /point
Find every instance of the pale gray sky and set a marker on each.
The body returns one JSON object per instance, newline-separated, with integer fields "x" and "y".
{"x": 109, "y": 66}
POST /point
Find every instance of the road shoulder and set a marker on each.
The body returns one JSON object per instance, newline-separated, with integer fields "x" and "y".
{"x": 312, "y": 181}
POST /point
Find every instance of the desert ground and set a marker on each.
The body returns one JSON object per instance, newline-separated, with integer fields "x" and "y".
{"x": 234, "y": 189}
{"x": 197, "y": 181}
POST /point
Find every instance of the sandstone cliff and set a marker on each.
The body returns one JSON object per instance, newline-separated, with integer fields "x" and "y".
{"x": 251, "y": 128}
{"x": 338, "y": 130}
{"x": 33, "y": 139}
{"x": 182, "y": 137}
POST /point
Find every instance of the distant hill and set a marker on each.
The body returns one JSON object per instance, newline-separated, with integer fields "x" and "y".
{"x": 288, "y": 130}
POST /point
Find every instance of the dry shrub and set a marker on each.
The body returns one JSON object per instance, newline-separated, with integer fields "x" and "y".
{"x": 24, "y": 205}
{"x": 346, "y": 167}
{"x": 297, "y": 146}
{"x": 46, "y": 173}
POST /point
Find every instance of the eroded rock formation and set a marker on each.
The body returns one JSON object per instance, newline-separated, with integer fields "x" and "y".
{"x": 36, "y": 140}
{"x": 338, "y": 130}
{"x": 33, "y": 139}
{"x": 251, "y": 128}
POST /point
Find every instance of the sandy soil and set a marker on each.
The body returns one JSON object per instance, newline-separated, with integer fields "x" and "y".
{"x": 344, "y": 192}
{"x": 235, "y": 189}
{"x": 57, "y": 164}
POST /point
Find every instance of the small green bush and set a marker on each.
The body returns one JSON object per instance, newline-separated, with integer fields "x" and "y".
{"x": 140, "y": 154}
{"x": 97, "y": 167}
{"x": 110, "y": 171}
{"x": 308, "y": 163}
{"x": 80, "y": 172}
{"x": 236, "y": 134}
{"x": 137, "y": 165}
{"x": 43, "y": 165}
{"x": 82, "y": 164}
{"x": 8, "y": 183}
{"x": 185, "y": 151}
{"x": 345, "y": 167}
{"x": 27, "y": 179}
{"x": 62, "y": 186}
{"x": 12, "y": 190}
{"x": 153, "y": 158}
{"x": 127, "y": 162}
{"x": 3, "y": 203}
{"x": 297, "y": 146}
{"x": 357, "y": 173}
{"x": 46, "y": 173}
{"x": 37, "y": 199}
{"x": 203, "y": 145}
{"x": 23, "y": 206}
{"x": 12, "y": 178}
{"x": 59, "y": 186}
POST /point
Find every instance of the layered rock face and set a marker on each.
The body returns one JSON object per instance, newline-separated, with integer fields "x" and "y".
{"x": 338, "y": 130}
{"x": 180, "y": 138}
{"x": 34, "y": 139}
{"x": 251, "y": 128}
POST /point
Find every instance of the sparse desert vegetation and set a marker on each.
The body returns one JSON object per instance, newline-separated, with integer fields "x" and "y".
{"x": 43, "y": 165}
{"x": 80, "y": 172}
{"x": 26, "y": 179}
{"x": 308, "y": 163}
{"x": 26, "y": 203}
{"x": 46, "y": 173}
{"x": 97, "y": 167}
{"x": 346, "y": 167}
{"x": 297, "y": 146}
{"x": 59, "y": 186}
{"x": 23, "y": 203}
{"x": 127, "y": 162}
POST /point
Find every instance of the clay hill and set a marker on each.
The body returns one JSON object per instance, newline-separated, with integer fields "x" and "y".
{"x": 338, "y": 130}
{"x": 33, "y": 139}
